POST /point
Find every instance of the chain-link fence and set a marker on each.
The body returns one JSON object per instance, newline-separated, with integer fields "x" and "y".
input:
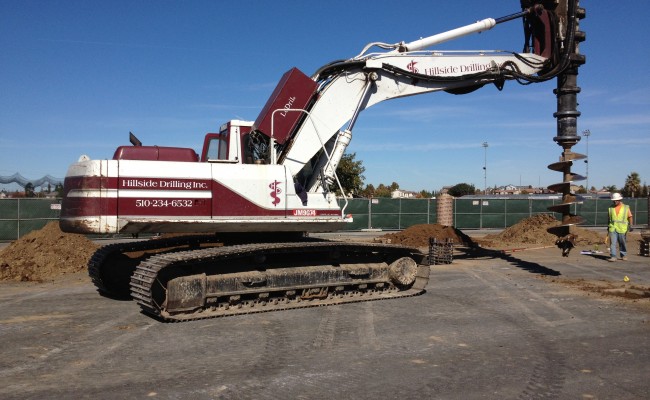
{"x": 20, "y": 216}
{"x": 476, "y": 213}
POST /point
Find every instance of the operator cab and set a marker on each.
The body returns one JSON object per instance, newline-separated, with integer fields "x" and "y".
{"x": 235, "y": 143}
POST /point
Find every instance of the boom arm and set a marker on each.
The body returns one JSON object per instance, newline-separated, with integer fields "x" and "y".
{"x": 313, "y": 147}
{"x": 382, "y": 77}
{"x": 304, "y": 118}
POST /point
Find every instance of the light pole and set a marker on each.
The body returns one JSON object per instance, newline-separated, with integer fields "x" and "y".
{"x": 485, "y": 146}
{"x": 586, "y": 133}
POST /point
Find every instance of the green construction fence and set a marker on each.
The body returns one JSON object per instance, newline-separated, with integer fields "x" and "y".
{"x": 476, "y": 213}
{"x": 20, "y": 216}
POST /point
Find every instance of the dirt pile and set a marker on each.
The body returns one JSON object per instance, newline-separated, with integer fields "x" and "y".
{"x": 418, "y": 235}
{"x": 533, "y": 231}
{"x": 529, "y": 232}
{"x": 45, "y": 254}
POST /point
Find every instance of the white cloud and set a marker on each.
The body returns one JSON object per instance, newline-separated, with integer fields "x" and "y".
{"x": 637, "y": 96}
{"x": 618, "y": 120}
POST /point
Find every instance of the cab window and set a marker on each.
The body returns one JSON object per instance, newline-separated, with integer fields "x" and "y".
{"x": 218, "y": 147}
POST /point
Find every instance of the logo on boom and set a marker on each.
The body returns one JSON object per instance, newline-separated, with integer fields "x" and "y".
{"x": 411, "y": 67}
{"x": 275, "y": 186}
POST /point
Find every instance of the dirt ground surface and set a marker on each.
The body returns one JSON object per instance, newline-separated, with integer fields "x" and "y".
{"x": 491, "y": 325}
{"x": 518, "y": 322}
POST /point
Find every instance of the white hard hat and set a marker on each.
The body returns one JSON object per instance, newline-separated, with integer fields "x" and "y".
{"x": 616, "y": 196}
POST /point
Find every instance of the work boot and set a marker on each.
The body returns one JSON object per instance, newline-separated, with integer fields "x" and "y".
{"x": 611, "y": 259}
{"x": 623, "y": 258}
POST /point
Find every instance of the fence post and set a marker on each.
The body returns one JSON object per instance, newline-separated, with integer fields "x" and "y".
{"x": 370, "y": 213}
{"x": 399, "y": 215}
{"x": 18, "y": 219}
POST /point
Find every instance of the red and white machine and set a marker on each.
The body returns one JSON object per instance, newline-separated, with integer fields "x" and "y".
{"x": 274, "y": 175}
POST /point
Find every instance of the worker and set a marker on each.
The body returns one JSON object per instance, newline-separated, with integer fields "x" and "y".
{"x": 620, "y": 222}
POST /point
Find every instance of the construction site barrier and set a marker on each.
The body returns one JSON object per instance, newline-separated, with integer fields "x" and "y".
{"x": 476, "y": 213}
{"x": 20, "y": 216}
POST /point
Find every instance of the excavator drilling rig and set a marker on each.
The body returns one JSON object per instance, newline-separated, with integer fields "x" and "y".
{"x": 258, "y": 186}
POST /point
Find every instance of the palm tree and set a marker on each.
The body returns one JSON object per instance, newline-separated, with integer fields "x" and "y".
{"x": 632, "y": 186}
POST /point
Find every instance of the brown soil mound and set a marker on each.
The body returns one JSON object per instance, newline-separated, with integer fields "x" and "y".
{"x": 532, "y": 231}
{"x": 418, "y": 235}
{"x": 45, "y": 254}
{"x": 526, "y": 233}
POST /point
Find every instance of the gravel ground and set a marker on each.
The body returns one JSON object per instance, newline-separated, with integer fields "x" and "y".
{"x": 524, "y": 324}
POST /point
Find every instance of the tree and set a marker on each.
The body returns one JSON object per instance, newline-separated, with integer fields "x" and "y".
{"x": 368, "y": 191}
{"x": 29, "y": 189}
{"x": 632, "y": 186}
{"x": 59, "y": 190}
{"x": 462, "y": 189}
{"x": 382, "y": 191}
{"x": 350, "y": 173}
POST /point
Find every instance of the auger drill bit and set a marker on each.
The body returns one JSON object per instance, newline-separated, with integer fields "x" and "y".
{"x": 566, "y": 231}
{"x": 567, "y": 116}
{"x": 567, "y": 121}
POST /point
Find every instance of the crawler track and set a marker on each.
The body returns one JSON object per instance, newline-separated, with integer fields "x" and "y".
{"x": 242, "y": 279}
{"x": 110, "y": 268}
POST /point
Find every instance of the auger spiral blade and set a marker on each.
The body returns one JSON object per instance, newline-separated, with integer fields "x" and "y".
{"x": 565, "y": 207}
{"x": 566, "y": 237}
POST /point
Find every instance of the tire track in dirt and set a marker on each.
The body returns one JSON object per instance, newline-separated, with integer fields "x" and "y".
{"x": 305, "y": 363}
{"x": 548, "y": 372}
{"x": 67, "y": 369}
{"x": 274, "y": 357}
{"x": 326, "y": 331}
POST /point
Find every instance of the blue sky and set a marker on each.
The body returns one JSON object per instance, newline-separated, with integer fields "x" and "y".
{"x": 77, "y": 76}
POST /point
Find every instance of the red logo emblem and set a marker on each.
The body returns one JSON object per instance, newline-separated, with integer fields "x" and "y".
{"x": 411, "y": 67}
{"x": 275, "y": 187}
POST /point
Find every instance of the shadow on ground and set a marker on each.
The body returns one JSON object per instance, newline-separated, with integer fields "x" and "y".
{"x": 481, "y": 253}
